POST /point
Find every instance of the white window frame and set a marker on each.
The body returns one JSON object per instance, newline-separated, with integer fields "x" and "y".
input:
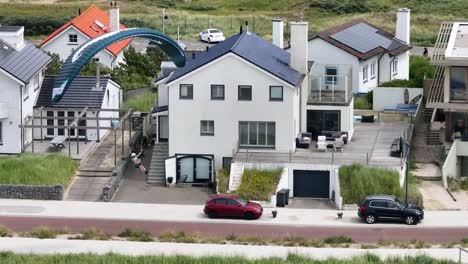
{"x": 73, "y": 37}
{"x": 394, "y": 66}
{"x": 365, "y": 73}
{"x": 255, "y": 125}
{"x": 372, "y": 70}
{"x": 189, "y": 95}
{"x": 217, "y": 88}
{"x": 276, "y": 99}
{"x": 207, "y": 128}
{"x": 329, "y": 79}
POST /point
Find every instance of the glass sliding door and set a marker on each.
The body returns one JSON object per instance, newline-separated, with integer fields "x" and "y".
{"x": 202, "y": 169}
{"x": 458, "y": 80}
{"x": 194, "y": 169}
{"x": 323, "y": 120}
{"x": 186, "y": 169}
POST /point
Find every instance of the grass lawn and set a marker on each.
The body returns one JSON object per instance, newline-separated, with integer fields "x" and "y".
{"x": 38, "y": 169}
{"x": 259, "y": 184}
{"x": 222, "y": 178}
{"x": 141, "y": 103}
{"x": 10, "y": 258}
{"x": 358, "y": 181}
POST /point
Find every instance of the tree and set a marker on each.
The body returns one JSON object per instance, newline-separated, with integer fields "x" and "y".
{"x": 55, "y": 64}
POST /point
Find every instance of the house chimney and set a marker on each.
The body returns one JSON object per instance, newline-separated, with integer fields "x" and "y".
{"x": 278, "y": 32}
{"x": 98, "y": 76}
{"x": 403, "y": 25}
{"x": 13, "y": 36}
{"x": 299, "y": 46}
{"x": 114, "y": 17}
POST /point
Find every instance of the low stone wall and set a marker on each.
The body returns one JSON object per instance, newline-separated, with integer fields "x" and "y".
{"x": 32, "y": 192}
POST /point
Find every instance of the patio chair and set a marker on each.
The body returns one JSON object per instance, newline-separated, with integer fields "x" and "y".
{"x": 303, "y": 140}
{"x": 322, "y": 143}
{"x": 338, "y": 144}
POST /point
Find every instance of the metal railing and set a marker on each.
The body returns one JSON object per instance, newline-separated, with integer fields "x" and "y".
{"x": 462, "y": 250}
{"x": 329, "y": 89}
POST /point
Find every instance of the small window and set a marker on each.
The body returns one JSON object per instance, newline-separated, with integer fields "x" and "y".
{"x": 245, "y": 93}
{"x": 276, "y": 93}
{"x": 217, "y": 92}
{"x": 394, "y": 66}
{"x": 73, "y": 38}
{"x": 330, "y": 75}
{"x": 231, "y": 202}
{"x": 372, "y": 70}
{"x": 365, "y": 71}
{"x": 207, "y": 128}
{"x": 186, "y": 91}
{"x": 1, "y": 133}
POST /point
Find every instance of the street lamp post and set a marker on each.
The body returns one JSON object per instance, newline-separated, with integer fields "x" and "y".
{"x": 405, "y": 150}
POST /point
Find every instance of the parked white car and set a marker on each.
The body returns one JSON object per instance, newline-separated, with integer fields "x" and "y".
{"x": 212, "y": 35}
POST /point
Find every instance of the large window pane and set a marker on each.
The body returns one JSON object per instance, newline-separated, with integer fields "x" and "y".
{"x": 457, "y": 83}
{"x": 262, "y": 133}
{"x": 244, "y": 133}
{"x": 61, "y": 122}
{"x": 202, "y": 169}
{"x": 245, "y": 92}
{"x": 276, "y": 93}
{"x": 186, "y": 169}
{"x": 50, "y": 122}
{"x": 253, "y": 133}
{"x": 271, "y": 134}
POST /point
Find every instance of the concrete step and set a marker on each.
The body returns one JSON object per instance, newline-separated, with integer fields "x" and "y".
{"x": 94, "y": 169}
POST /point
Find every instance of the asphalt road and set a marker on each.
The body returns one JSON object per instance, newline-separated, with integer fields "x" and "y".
{"x": 370, "y": 234}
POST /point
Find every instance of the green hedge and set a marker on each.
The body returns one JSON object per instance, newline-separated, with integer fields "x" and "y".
{"x": 222, "y": 178}
{"x": 358, "y": 181}
{"x": 259, "y": 184}
{"x": 142, "y": 102}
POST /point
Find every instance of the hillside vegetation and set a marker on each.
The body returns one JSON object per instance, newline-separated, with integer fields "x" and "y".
{"x": 191, "y": 16}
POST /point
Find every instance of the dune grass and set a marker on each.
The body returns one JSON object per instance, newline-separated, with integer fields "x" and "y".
{"x": 358, "y": 181}
{"x": 141, "y": 103}
{"x": 10, "y": 258}
{"x": 37, "y": 169}
{"x": 222, "y": 179}
{"x": 259, "y": 185}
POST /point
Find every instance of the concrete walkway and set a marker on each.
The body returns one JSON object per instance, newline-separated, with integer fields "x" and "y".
{"x": 193, "y": 213}
{"x": 60, "y": 246}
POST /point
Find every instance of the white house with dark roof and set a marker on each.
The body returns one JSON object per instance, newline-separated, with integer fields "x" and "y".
{"x": 84, "y": 91}
{"x": 372, "y": 55}
{"x": 22, "y": 69}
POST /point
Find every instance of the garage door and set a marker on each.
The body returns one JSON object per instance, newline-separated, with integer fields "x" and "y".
{"x": 313, "y": 184}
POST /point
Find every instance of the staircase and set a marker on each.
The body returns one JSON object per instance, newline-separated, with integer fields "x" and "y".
{"x": 433, "y": 137}
{"x": 94, "y": 172}
{"x": 156, "y": 174}
{"x": 427, "y": 112}
{"x": 235, "y": 177}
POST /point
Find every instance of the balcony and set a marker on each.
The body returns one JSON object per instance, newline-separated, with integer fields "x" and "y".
{"x": 334, "y": 88}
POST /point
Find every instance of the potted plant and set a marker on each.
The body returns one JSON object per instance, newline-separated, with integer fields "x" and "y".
{"x": 274, "y": 213}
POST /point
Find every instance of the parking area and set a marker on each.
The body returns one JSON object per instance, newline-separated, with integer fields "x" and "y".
{"x": 133, "y": 189}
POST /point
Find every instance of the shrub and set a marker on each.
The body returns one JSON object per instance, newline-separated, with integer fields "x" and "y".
{"x": 338, "y": 240}
{"x": 142, "y": 102}
{"x": 464, "y": 240}
{"x": 420, "y": 69}
{"x": 136, "y": 235}
{"x": 361, "y": 103}
{"x": 457, "y": 184}
{"x": 349, "y": 6}
{"x": 92, "y": 234}
{"x": 45, "y": 232}
{"x": 399, "y": 83}
{"x": 222, "y": 178}
{"x": 5, "y": 231}
{"x": 358, "y": 181}
{"x": 201, "y": 7}
{"x": 259, "y": 184}
{"x": 179, "y": 237}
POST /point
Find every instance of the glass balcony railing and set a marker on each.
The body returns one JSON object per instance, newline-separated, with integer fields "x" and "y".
{"x": 329, "y": 89}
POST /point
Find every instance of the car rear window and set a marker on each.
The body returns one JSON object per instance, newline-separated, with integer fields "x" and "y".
{"x": 214, "y": 31}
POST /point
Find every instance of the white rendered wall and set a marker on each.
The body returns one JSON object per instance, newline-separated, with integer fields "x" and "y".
{"x": 185, "y": 115}
{"x": 11, "y": 133}
{"x": 60, "y": 45}
{"x": 346, "y": 115}
{"x": 391, "y": 96}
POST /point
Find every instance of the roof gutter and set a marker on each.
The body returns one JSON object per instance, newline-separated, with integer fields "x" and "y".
{"x": 378, "y": 68}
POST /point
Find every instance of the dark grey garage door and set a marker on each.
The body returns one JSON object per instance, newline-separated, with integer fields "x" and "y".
{"x": 313, "y": 184}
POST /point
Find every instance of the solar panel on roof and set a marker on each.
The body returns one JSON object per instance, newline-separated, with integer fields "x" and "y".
{"x": 362, "y": 37}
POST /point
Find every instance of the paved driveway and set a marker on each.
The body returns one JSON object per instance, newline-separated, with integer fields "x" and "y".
{"x": 133, "y": 189}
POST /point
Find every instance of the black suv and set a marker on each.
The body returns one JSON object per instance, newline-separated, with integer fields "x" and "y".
{"x": 389, "y": 207}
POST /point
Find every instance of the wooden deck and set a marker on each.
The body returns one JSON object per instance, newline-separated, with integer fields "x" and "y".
{"x": 370, "y": 144}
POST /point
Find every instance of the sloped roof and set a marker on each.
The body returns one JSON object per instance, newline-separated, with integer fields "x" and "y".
{"x": 80, "y": 94}
{"x": 23, "y": 64}
{"x": 363, "y": 39}
{"x": 86, "y": 23}
{"x": 252, "y": 48}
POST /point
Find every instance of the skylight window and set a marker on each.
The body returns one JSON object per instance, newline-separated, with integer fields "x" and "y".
{"x": 100, "y": 24}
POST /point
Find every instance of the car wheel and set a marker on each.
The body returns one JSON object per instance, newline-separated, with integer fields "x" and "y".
{"x": 212, "y": 214}
{"x": 410, "y": 220}
{"x": 249, "y": 216}
{"x": 370, "y": 219}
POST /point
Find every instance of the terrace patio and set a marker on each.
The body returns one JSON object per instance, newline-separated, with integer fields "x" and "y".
{"x": 370, "y": 144}
{"x": 74, "y": 150}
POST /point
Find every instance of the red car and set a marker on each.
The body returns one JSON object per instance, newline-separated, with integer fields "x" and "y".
{"x": 226, "y": 205}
